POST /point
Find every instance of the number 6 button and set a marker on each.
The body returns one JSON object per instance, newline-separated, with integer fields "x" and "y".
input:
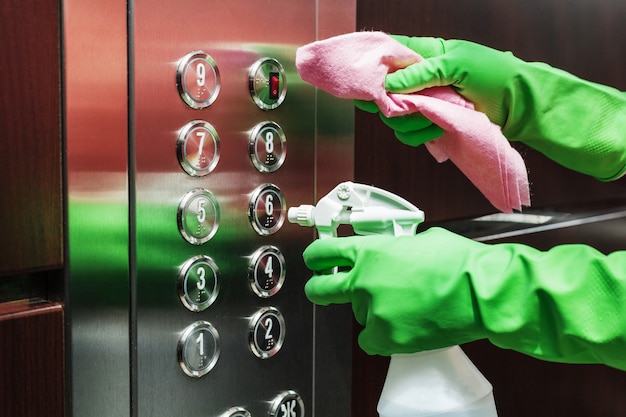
{"x": 267, "y": 332}
{"x": 266, "y": 209}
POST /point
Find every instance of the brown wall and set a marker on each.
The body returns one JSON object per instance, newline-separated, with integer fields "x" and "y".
{"x": 31, "y": 210}
{"x": 587, "y": 38}
{"x": 31, "y": 217}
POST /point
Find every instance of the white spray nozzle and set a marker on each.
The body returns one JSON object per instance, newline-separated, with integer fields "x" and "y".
{"x": 302, "y": 215}
{"x": 369, "y": 210}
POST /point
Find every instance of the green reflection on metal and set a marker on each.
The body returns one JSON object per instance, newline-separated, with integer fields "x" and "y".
{"x": 98, "y": 256}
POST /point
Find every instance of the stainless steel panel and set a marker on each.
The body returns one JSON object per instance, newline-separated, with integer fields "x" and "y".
{"x": 236, "y": 39}
{"x": 130, "y": 318}
{"x": 95, "y": 83}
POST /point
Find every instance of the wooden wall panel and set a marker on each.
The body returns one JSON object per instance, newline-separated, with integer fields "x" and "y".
{"x": 587, "y": 38}
{"x": 31, "y": 360}
{"x": 31, "y": 213}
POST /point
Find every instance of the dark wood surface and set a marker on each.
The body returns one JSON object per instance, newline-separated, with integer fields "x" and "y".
{"x": 584, "y": 37}
{"x": 31, "y": 360}
{"x": 31, "y": 213}
{"x": 31, "y": 210}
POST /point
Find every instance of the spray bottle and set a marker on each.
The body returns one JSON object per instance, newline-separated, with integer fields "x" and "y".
{"x": 442, "y": 382}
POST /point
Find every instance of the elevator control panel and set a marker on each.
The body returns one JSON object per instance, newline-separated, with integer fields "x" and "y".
{"x": 192, "y": 302}
{"x": 224, "y": 139}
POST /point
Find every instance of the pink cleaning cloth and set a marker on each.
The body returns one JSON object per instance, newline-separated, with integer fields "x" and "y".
{"x": 354, "y": 66}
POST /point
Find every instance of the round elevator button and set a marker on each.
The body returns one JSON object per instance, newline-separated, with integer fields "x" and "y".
{"x": 198, "y": 79}
{"x": 267, "y": 332}
{"x": 198, "y": 349}
{"x": 198, "y": 284}
{"x": 266, "y": 271}
{"x": 198, "y": 148}
{"x": 267, "y": 147}
{"x": 289, "y": 404}
{"x": 267, "y": 209}
{"x": 198, "y": 216}
{"x": 267, "y": 83}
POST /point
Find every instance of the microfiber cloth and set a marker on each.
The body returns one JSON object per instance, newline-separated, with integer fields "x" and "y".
{"x": 354, "y": 66}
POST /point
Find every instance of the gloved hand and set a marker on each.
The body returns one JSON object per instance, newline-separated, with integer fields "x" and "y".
{"x": 412, "y": 129}
{"x": 577, "y": 123}
{"x": 438, "y": 289}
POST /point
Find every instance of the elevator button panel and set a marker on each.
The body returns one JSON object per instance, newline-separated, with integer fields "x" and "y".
{"x": 212, "y": 183}
{"x": 198, "y": 80}
{"x": 266, "y": 271}
{"x": 267, "y": 83}
{"x": 267, "y": 332}
{"x": 198, "y": 284}
{"x": 267, "y": 209}
{"x": 198, "y": 216}
{"x": 267, "y": 146}
{"x": 198, "y": 349}
{"x": 287, "y": 404}
{"x": 198, "y": 148}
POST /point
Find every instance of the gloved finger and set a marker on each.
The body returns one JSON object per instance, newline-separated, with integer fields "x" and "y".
{"x": 428, "y": 73}
{"x": 419, "y": 137}
{"x": 368, "y": 106}
{"x": 324, "y": 254}
{"x": 406, "y": 123}
{"x": 370, "y": 341}
{"x": 427, "y": 47}
{"x": 329, "y": 289}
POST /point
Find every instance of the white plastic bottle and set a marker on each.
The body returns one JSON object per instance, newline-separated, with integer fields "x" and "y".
{"x": 440, "y": 383}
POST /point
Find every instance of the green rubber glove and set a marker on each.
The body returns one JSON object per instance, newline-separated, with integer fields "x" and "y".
{"x": 412, "y": 129}
{"x": 438, "y": 289}
{"x": 577, "y": 123}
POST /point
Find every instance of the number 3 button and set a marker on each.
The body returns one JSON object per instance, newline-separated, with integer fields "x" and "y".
{"x": 198, "y": 283}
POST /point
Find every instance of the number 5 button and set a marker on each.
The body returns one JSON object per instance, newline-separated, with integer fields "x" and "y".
{"x": 198, "y": 216}
{"x": 267, "y": 332}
